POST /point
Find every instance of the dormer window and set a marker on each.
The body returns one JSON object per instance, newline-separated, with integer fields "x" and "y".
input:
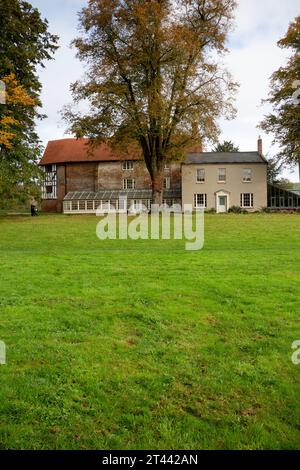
{"x": 127, "y": 165}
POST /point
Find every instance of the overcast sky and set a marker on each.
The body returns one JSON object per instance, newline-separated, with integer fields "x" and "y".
{"x": 253, "y": 57}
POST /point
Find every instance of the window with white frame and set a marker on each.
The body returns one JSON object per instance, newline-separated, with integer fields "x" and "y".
{"x": 247, "y": 200}
{"x": 74, "y": 205}
{"x": 247, "y": 175}
{"x": 49, "y": 190}
{"x": 137, "y": 204}
{"x": 168, "y": 202}
{"x": 127, "y": 165}
{"x": 90, "y": 205}
{"x": 167, "y": 182}
{"x": 200, "y": 175}
{"x": 200, "y": 201}
{"x": 128, "y": 183}
{"x": 222, "y": 175}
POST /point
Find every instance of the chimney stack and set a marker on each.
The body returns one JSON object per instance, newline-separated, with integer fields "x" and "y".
{"x": 260, "y": 146}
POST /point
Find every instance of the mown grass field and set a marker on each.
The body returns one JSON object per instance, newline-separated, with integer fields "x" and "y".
{"x": 142, "y": 345}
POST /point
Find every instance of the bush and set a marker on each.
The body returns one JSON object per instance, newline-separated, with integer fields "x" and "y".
{"x": 266, "y": 210}
{"x": 211, "y": 211}
{"x": 235, "y": 210}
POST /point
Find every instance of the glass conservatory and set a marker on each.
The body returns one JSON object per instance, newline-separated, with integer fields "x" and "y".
{"x": 137, "y": 200}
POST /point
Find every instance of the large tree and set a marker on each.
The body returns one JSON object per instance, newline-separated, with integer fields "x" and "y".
{"x": 25, "y": 44}
{"x": 275, "y": 167}
{"x": 226, "y": 146}
{"x": 153, "y": 76}
{"x": 284, "y": 120}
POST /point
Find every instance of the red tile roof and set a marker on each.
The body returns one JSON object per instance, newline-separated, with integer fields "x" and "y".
{"x": 77, "y": 150}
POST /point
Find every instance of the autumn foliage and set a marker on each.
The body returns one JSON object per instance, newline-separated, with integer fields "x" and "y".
{"x": 284, "y": 120}
{"x": 154, "y": 76}
{"x": 25, "y": 45}
{"x": 16, "y": 98}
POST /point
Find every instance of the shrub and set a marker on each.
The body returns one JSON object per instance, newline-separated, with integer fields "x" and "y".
{"x": 235, "y": 210}
{"x": 266, "y": 210}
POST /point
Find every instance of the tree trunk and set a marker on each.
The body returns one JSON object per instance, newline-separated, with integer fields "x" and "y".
{"x": 157, "y": 188}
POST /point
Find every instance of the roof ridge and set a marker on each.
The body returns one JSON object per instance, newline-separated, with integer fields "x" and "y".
{"x": 240, "y": 151}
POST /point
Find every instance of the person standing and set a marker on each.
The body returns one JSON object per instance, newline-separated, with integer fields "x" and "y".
{"x": 33, "y": 207}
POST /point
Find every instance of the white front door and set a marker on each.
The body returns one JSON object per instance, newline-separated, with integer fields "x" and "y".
{"x": 222, "y": 204}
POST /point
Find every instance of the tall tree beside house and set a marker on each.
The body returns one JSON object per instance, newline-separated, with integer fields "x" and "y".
{"x": 15, "y": 99}
{"x": 226, "y": 146}
{"x": 152, "y": 80}
{"x": 284, "y": 120}
{"x": 25, "y": 44}
{"x": 15, "y": 103}
{"x": 275, "y": 167}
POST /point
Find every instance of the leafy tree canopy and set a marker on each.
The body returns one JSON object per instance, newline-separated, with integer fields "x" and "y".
{"x": 25, "y": 44}
{"x": 274, "y": 170}
{"x": 153, "y": 78}
{"x": 16, "y": 100}
{"x": 226, "y": 146}
{"x": 284, "y": 120}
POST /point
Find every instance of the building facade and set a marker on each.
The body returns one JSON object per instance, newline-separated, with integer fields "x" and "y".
{"x": 222, "y": 180}
{"x": 78, "y": 180}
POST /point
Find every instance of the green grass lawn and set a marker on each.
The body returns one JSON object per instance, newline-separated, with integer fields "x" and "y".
{"x": 142, "y": 345}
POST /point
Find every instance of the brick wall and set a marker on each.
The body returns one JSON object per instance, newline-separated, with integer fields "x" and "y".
{"x": 51, "y": 205}
{"x": 81, "y": 177}
{"x": 93, "y": 176}
{"x": 111, "y": 175}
